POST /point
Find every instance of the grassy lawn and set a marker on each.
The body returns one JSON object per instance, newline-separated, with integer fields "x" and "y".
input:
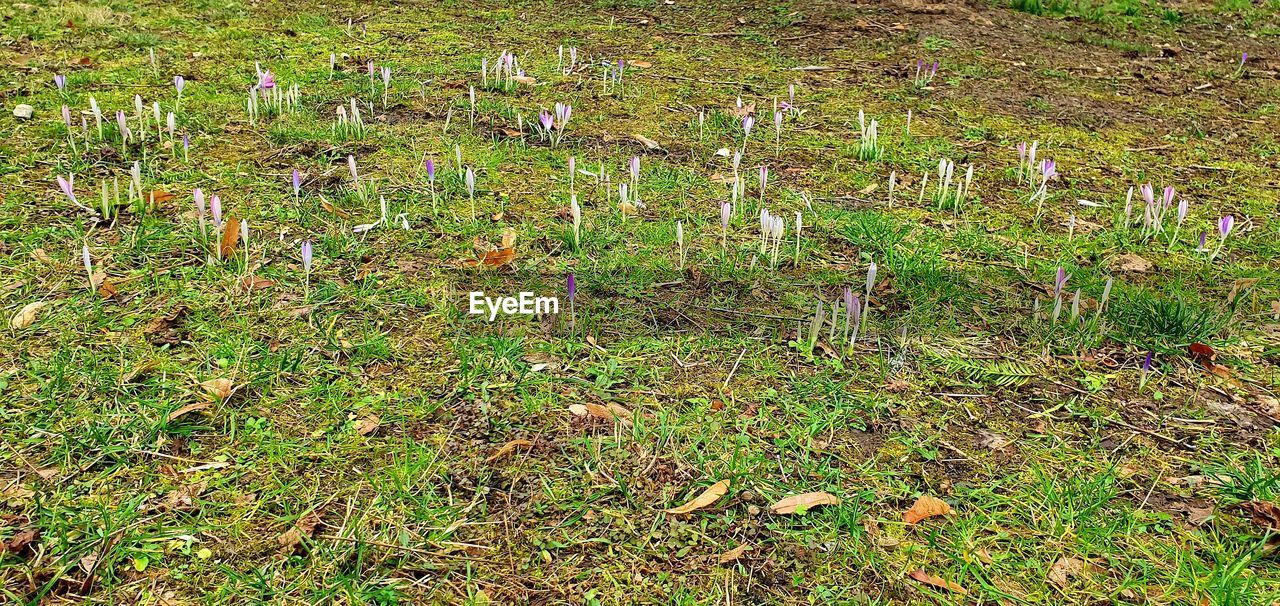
{"x": 1046, "y": 391}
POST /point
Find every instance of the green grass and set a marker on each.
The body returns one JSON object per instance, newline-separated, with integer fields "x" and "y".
{"x": 381, "y": 445}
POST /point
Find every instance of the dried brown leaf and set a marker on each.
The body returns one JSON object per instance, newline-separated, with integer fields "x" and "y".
{"x": 508, "y": 448}
{"x": 1133, "y": 262}
{"x": 939, "y": 582}
{"x": 230, "y": 237}
{"x": 707, "y": 497}
{"x": 801, "y": 503}
{"x": 305, "y": 527}
{"x": 735, "y": 553}
{"x": 189, "y": 408}
{"x": 647, "y": 142}
{"x": 368, "y": 425}
{"x": 19, "y": 542}
{"x": 1065, "y": 569}
{"x": 926, "y": 507}
{"x": 1264, "y": 514}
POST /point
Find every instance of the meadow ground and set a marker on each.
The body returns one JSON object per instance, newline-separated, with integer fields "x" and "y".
{"x": 201, "y": 419}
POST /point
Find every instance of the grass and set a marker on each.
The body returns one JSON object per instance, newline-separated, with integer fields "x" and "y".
{"x": 381, "y": 445}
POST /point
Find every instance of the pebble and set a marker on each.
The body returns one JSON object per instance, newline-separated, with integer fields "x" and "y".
{"x": 23, "y": 111}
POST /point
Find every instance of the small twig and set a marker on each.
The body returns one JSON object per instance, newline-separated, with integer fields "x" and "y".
{"x": 734, "y": 369}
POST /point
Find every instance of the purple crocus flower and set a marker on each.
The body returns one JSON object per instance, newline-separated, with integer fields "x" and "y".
{"x": 726, "y": 210}
{"x": 297, "y": 182}
{"x": 351, "y": 164}
{"x": 1225, "y": 224}
{"x": 61, "y": 81}
{"x": 267, "y": 80}
{"x": 1182, "y": 210}
{"x": 546, "y": 120}
{"x": 1048, "y": 169}
{"x": 1060, "y": 282}
{"x": 386, "y": 76}
{"x": 777, "y": 120}
{"x": 1243, "y": 57}
{"x": 186, "y": 142}
{"x": 1146, "y": 364}
{"x": 1148, "y": 194}
{"x": 848, "y": 303}
{"x": 306, "y": 256}
{"x": 747, "y": 123}
{"x": 871, "y": 278}
{"x": 66, "y": 117}
{"x": 635, "y": 168}
{"x": 215, "y": 208}
{"x": 198, "y": 195}
{"x": 1203, "y": 236}
{"x": 1168, "y": 196}
{"x": 430, "y": 165}
{"x": 68, "y": 186}
{"x": 572, "y": 286}
{"x": 179, "y": 83}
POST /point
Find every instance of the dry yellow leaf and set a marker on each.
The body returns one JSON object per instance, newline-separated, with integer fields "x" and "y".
{"x": 734, "y": 554}
{"x": 27, "y": 315}
{"x": 219, "y": 388}
{"x": 508, "y": 448}
{"x": 801, "y": 503}
{"x": 187, "y": 409}
{"x": 708, "y": 496}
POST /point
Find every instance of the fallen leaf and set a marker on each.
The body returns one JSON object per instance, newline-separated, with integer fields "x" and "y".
{"x": 508, "y": 448}
{"x": 526, "y": 80}
{"x": 734, "y": 554}
{"x": 368, "y": 425}
{"x": 40, "y": 255}
{"x": 27, "y": 315}
{"x": 163, "y": 330}
{"x": 19, "y": 542}
{"x": 1197, "y": 516}
{"x": 992, "y": 440}
{"x": 640, "y": 64}
{"x": 868, "y": 189}
{"x": 106, "y": 289}
{"x": 926, "y": 507}
{"x": 801, "y": 503}
{"x": 251, "y": 283}
{"x": 335, "y": 210}
{"x": 647, "y": 142}
{"x": 305, "y": 527}
{"x": 610, "y": 412}
{"x": 189, "y": 408}
{"x": 219, "y": 388}
{"x": 1065, "y": 569}
{"x": 742, "y": 111}
{"x": 1132, "y": 262}
{"x": 707, "y": 497}
{"x": 183, "y": 498}
{"x": 938, "y": 582}
{"x": 499, "y": 257}
{"x": 230, "y": 237}
{"x": 159, "y": 197}
{"x": 1264, "y": 514}
{"x": 1202, "y": 353}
